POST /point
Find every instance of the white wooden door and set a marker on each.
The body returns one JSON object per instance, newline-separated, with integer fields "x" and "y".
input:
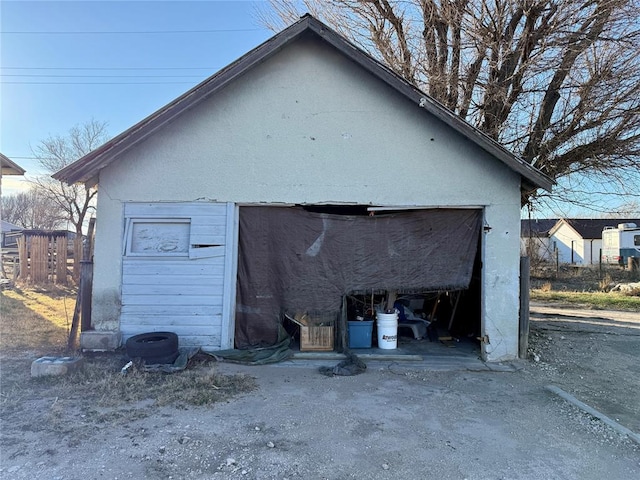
{"x": 179, "y": 271}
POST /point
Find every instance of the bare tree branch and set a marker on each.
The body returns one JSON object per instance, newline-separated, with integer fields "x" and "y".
{"x": 556, "y": 81}
{"x": 54, "y": 153}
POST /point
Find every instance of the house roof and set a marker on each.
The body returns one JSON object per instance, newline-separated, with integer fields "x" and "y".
{"x": 9, "y": 227}
{"x": 9, "y": 167}
{"x": 591, "y": 228}
{"x": 536, "y": 227}
{"x": 87, "y": 168}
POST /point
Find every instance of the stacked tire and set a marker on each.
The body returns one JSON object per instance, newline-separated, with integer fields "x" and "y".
{"x": 153, "y": 348}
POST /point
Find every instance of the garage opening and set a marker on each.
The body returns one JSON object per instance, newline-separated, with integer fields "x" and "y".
{"x": 315, "y": 269}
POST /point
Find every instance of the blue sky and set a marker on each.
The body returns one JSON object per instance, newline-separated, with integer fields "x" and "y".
{"x": 53, "y": 79}
{"x": 66, "y": 62}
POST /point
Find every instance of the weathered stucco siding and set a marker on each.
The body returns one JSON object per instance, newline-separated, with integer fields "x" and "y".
{"x": 500, "y": 282}
{"x": 310, "y": 127}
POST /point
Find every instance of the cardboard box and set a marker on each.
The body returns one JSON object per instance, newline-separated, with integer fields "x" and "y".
{"x": 316, "y": 339}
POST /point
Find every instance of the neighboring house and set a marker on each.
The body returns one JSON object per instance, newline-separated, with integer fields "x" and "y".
{"x": 534, "y": 239}
{"x": 9, "y": 233}
{"x": 579, "y": 240}
{"x": 9, "y": 167}
{"x": 303, "y": 171}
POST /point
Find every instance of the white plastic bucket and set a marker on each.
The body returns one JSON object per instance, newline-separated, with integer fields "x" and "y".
{"x": 387, "y": 330}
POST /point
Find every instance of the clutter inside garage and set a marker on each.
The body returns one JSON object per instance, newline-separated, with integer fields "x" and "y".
{"x": 352, "y": 277}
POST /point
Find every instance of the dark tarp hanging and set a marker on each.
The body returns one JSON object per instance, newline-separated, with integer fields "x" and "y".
{"x": 293, "y": 260}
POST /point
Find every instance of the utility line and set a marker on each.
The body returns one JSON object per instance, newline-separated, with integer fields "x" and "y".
{"x": 95, "y": 76}
{"x": 128, "y": 32}
{"x": 96, "y": 83}
{"x": 106, "y": 68}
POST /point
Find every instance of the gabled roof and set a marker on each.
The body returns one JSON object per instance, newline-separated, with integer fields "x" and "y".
{"x": 87, "y": 168}
{"x": 591, "y": 228}
{"x": 9, "y": 167}
{"x": 9, "y": 227}
{"x": 536, "y": 227}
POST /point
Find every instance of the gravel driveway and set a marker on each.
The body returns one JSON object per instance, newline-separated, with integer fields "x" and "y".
{"x": 395, "y": 421}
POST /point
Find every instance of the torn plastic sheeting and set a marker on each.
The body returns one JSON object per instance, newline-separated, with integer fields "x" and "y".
{"x": 185, "y": 354}
{"x": 350, "y": 366}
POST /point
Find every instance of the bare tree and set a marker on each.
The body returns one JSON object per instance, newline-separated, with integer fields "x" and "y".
{"x": 77, "y": 200}
{"x": 55, "y": 153}
{"x": 628, "y": 209}
{"x": 555, "y": 81}
{"x": 32, "y": 210}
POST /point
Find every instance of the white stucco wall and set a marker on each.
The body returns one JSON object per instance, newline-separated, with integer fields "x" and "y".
{"x": 308, "y": 126}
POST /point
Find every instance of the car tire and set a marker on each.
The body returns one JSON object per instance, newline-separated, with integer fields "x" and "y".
{"x": 153, "y": 347}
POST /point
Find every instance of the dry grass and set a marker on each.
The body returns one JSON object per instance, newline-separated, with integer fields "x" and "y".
{"x": 586, "y": 286}
{"x": 605, "y": 282}
{"x": 35, "y": 322}
{"x": 104, "y": 385}
{"x": 595, "y": 300}
{"x": 546, "y": 287}
{"x": 35, "y": 319}
{"x": 101, "y": 385}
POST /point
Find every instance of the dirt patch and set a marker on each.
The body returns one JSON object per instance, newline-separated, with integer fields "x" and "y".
{"x": 286, "y": 421}
{"x": 388, "y": 423}
{"x": 594, "y": 355}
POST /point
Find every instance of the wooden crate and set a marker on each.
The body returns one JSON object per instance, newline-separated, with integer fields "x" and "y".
{"x": 316, "y": 339}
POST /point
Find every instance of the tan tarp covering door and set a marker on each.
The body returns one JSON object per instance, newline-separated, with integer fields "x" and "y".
{"x": 294, "y": 260}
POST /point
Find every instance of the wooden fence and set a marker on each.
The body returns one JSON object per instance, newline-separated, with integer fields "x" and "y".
{"x": 45, "y": 259}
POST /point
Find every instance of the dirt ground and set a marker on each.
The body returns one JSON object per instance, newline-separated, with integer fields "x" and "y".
{"x": 395, "y": 421}
{"x": 592, "y": 354}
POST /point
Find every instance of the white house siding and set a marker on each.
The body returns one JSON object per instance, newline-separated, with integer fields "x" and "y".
{"x": 308, "y": 126}
{"x": 590, "y": 251}
{"x": 572, "y": 248}
{"x": 173, "y": 271}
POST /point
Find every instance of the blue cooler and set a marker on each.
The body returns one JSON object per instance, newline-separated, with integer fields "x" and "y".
{"x": 360, "y": 333}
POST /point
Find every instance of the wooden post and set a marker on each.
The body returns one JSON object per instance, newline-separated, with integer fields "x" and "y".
{"x": 39, "y": 251}
{"x": 16, "y": 268}
{"x": 23, "y": 256}
{"x": 391, "y": 300}
{"x": 86, "y": 278}
{"x": 77, "y": 257}
{"x": 600, "y": 262}
{"x": 523, "y": 340}
{"x": 633, "y": 267}
{"x": 455, "y": 307}
{"x": 73, "y": 333}
{"x": 343, "y": 335}
{"x": 61, "y": 261}
{"x": 432, "y": 317}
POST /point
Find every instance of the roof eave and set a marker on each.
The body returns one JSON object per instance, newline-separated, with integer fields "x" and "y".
{"x": 9, "y": 167}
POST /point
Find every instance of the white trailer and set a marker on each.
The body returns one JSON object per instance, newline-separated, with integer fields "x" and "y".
{"x": 619, "y": 243}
